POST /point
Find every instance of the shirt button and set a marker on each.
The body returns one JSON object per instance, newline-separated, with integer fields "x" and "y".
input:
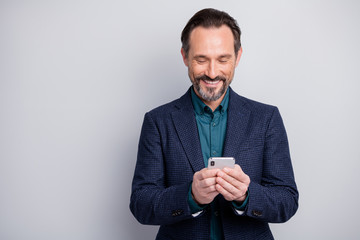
{"x": 214, "y": 153}
{"x": 216, "y": 213}
{"x": 213, "y": 124}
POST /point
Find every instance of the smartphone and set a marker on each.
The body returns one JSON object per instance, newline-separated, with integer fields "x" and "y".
{"x": 221, "y": 162}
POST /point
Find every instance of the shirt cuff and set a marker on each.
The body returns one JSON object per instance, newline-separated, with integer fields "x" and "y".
{"x": 195, "y": 209}
{"x": 240, "y": 208}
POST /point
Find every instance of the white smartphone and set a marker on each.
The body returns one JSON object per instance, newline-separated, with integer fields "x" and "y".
{"x": 221, "y": 162}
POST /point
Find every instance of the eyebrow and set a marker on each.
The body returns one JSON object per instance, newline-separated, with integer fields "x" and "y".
{"x": 226, "y": 56}
{"x": 221, "y": 56}
{"x": 200, "y": 56}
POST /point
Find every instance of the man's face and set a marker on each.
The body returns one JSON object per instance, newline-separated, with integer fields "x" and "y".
{"x": 211, "y": 61}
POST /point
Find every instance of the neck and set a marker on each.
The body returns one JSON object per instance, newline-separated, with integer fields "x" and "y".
{"x": 214, "y": 104}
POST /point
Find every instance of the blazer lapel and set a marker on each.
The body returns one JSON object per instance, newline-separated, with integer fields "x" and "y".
{"x": 238, "y": 120}
{"x": 186, "y": 128}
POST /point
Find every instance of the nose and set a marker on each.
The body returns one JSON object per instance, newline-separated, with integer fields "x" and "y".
{"x": 212, "y": 70}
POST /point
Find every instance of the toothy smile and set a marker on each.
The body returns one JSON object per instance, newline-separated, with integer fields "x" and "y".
{"x": 211, "y": 82}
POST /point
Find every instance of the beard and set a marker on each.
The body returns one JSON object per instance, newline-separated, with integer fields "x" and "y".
{"x": 210, "y": 93}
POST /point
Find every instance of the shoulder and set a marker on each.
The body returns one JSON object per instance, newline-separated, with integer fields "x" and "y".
{"x": 163, "y": 111}
{"x": 255, "y": 107}
{"x": 259, "y": 115}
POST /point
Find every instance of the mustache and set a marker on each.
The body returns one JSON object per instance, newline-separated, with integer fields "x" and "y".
{"x": 207, "y": 78}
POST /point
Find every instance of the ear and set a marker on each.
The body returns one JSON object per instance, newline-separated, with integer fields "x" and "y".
{"x": 238, "y": 56}
{"x": 186, "y": 62}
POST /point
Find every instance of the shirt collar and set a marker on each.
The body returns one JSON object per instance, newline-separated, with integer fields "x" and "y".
{"x": 200, "y": 106}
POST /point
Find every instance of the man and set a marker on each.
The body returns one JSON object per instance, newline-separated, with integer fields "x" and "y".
{"x": 172, "y": 186}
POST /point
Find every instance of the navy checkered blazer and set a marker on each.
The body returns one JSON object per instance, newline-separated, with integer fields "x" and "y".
{"x": 169, "y": 154}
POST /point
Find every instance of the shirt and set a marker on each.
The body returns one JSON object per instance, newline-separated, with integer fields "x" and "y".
{"x": 211, "y": 127}
{"x": 212, "y": 130}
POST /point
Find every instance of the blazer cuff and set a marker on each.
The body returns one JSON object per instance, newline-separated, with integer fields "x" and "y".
{"x": 239, "y": 209}
{"x": 195, "y": 209}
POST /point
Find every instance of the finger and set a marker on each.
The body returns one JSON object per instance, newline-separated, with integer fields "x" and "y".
{"x": 206, "y": 173}
{"x": 204, "y": 196}
{"x": 206, "y": 185}
{"x": 237, "y": 173}
{"x": 207, "y": 182}
{"x": 227, "y": 195}
{"x": 229, "y": 179}
{"x": 231, "y": 187}
{"x": 207, "y": 190}
{"x": 229, "y": 191}
{"x": 211, "y": 189}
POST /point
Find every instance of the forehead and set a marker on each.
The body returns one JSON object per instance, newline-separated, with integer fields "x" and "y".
{"x": 213, "y": 39}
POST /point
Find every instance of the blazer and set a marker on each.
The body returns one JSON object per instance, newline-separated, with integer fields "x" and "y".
{"x": 169, "y": 154}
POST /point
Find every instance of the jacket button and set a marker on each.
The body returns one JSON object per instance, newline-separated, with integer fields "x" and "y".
{"x": 176, "y": 213}
{"x": 256, "y": 213}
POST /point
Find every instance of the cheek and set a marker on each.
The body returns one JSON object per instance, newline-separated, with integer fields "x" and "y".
{"x": 228, "y": 70}
{"x": 198, "y": 69}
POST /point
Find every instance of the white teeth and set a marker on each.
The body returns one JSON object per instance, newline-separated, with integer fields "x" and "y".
{"x": 212, "y": 82}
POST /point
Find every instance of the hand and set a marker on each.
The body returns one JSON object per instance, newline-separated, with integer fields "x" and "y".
{"x": 233, "y": 183}
{"x": 203, "y": 186}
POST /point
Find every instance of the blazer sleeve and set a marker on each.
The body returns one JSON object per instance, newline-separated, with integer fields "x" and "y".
{"x": 275, "y": 198}
{"x": 152, "y": 202}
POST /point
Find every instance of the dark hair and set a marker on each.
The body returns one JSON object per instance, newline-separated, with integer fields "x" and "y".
{"x": 207, "y": 18}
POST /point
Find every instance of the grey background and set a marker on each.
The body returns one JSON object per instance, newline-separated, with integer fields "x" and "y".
{"x": 76, "y": 78}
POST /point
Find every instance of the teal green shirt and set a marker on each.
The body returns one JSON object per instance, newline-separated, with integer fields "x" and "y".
{"x": 211, "y": 126}
{"x": 212, "y": 130}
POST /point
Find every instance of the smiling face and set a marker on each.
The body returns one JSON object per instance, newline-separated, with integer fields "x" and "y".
{"x": 211, "y": 62}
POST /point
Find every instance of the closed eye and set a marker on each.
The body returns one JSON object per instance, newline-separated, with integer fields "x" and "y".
{"x": 224, "y": 58}
{"x": 200, "y": 60}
